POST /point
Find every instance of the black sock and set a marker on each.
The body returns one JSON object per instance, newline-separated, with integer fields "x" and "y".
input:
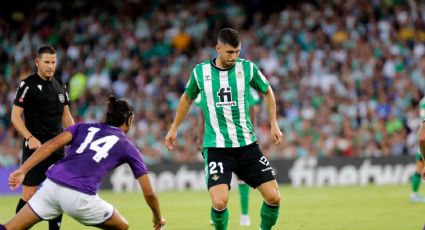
{"x": 55, "y": 224}
{"x": 20, "y": 205}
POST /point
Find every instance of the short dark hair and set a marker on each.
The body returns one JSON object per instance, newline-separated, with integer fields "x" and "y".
{"x": 45, "y": 49}
{"x": 229, "y": 36}
{"x": 118, "y": 112}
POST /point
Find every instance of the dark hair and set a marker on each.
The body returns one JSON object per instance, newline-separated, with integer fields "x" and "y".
{"x": 229, "y": 36}
{"x": 45, "y": 49}
{"x": 118, "y": 111}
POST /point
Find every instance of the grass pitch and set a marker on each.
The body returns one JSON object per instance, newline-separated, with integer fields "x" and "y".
{"x": 326, "y": 208}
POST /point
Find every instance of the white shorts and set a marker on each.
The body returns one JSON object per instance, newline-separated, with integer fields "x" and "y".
{"x": 53, "y": 199}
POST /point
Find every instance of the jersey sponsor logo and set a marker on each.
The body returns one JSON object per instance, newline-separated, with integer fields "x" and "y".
{"x": 207, "y": 77}
{"x": 61, "y": 98}
{"x": 225, "y": 97}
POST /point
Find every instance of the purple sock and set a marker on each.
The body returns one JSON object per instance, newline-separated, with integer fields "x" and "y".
{"x": 2, "y": 227}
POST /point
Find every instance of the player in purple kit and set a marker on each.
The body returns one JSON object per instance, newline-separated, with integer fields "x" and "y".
{"x": 72, "y": 183}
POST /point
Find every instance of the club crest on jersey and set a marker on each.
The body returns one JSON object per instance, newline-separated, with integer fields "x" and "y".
{"x": 61, "y": 98}
{"x": 239, "y": 75}
{"x": 225, "y": 97}
{"x": 215, "y": 177}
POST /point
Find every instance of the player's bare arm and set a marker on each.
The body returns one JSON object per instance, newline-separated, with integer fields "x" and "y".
{"x": 151, "y": 200}
{"x": 421, "y": 138}
{"x": 67, "y": 119}
{"x": 271, "y": 108}
{"x": 19, "y": 124}
{"x": 16, "y": 177}
{"x": 182, "y": 109}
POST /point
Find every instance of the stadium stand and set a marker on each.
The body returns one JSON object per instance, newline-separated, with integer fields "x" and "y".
{"x": 348, "y": 75}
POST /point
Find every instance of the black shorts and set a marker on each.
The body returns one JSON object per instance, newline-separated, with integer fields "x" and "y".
{"x": 247, "y": 162}
{"x": 37, "y": 174}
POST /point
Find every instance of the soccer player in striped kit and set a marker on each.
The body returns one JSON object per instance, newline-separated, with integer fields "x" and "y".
{"x": 229, "y": 143}
{"x": 416, "y": 177}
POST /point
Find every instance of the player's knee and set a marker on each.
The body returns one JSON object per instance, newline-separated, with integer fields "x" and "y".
{"x": 11, "y": 226}
{"x": 274, "y": 199}
{"x": 125, "y": 225}
{"x": 220, "y": 204}
{"x": 219, "y": 201}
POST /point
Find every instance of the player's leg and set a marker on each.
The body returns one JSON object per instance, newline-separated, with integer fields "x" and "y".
{"x": 41, "y": 206}
{"x": 54, "y": 224}
{"x": 256, "y": 171}
{"x": 116, "y": 222}
{"x": 219, "y": 166}
{"x": 219, "y": 196}
{"x": 270, "y": 208}
{"x": 30, "y": 183}
{"x": 416, "y": 180}
{"x": 24, "y": 219}
{"x": 244, "y": 200}
{"x": 89, "y": 209}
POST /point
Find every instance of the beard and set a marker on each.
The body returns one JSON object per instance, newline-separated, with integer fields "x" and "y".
{"x": 226, "y": 63}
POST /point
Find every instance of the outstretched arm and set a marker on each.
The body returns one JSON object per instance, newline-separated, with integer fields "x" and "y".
{"x": 151, "y": 200}
{"x": 421, "y": 137}
{"x": 16, "y": 177}
{"x": 182, "y": 109}
{"x": 271, "y": 108}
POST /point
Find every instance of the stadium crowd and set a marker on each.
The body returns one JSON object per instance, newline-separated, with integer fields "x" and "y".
{"x": 348, "y": 75}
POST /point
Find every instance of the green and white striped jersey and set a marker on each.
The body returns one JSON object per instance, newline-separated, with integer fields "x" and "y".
{"x": 225, "y": 101}
{"x": 254, "y": 98}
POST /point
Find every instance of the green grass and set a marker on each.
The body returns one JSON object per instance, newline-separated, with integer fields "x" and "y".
{"x": 327, "y": 208}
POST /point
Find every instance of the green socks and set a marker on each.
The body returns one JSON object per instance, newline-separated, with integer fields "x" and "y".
{"x": 220, "y": 218}
{"x": 269, "y": 214}
{"x": 416, "y": 181}
{"x": 244, "y": 195}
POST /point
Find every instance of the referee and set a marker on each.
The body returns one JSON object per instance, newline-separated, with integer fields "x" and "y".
{"x": 44, "y": 102}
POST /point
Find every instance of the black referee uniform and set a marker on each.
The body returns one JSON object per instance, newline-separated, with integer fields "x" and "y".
{"x": 43, "y": 102}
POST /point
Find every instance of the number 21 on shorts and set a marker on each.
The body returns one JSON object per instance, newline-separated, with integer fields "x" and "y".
{"x": 215, "y": 167}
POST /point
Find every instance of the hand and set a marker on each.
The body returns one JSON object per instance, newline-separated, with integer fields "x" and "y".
{"x": 423, "y": 173}
{"x": 276, "y": 134}
{"x": 170, "y": 138}
{"x": 16, "y": 178}
{"x": 157, "y": 224}
{"x": 33, "y": 143}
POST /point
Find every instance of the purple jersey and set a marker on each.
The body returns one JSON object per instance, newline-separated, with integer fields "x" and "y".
{"x": 95, "y": 150}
